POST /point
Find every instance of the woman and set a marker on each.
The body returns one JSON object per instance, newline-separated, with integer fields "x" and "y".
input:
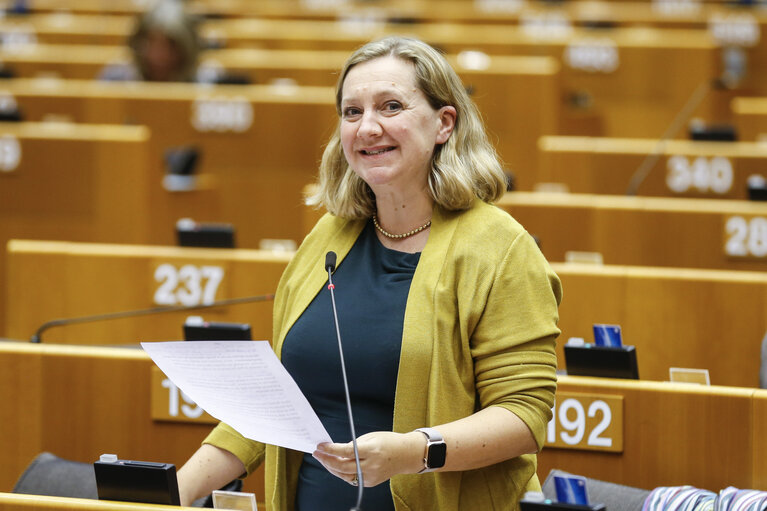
{"x": 446, "y": 306}
{"x": 165, "y": 47}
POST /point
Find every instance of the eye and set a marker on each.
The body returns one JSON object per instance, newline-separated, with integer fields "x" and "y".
{"x": 392, "y": 106}
{"x": 351, "y": 112}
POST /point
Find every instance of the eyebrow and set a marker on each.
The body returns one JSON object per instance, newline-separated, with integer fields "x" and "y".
{"x": 388, "y": 91}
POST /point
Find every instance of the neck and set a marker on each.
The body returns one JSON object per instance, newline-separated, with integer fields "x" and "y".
{"x": 399, "y": 215}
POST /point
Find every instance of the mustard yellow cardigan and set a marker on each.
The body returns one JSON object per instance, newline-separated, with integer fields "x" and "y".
{"x": 479, "y": 330}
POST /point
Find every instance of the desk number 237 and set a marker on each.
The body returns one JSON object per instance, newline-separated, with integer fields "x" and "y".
{"x": 188, "y": 285}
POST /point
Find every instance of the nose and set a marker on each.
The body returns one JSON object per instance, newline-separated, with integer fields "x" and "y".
{"x": 369, "y": 125}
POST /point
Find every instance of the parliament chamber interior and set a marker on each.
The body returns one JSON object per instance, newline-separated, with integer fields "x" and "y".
{"x": 633, "y": 134}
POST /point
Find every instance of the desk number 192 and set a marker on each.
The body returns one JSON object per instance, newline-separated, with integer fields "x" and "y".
{"x": 582, "y": 421}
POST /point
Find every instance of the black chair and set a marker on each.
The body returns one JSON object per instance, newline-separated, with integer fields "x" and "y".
{"x": 48, "y": 474}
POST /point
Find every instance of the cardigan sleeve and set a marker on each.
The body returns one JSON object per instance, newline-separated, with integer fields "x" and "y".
{"x": 249, "y": 452}
{"x": 513, "y": 343}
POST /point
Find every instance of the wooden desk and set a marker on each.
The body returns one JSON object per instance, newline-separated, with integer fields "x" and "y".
{"x": 682, "y": 168}
{"x": 750, "y": 117}
{"x": 645, "y": 231}
{"x": 638, "y": 231}
{"x": 527, "y": 86}
{"x": 668, "y": 313}
{"x": 671, "y": 433}
{"x": 19, "y": 502}
{"x": 251, "y": 166}
{"x": 760, "y": 442}
{"x": 49, "y": 280}
{"x": 84, "y": 182}
{"x": 601, "y": 69}
{"x": 705, "y": 319}
{"x": 79, "y": 402}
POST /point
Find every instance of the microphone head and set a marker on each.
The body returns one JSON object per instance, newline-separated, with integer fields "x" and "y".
{"x": 330, "y": 261}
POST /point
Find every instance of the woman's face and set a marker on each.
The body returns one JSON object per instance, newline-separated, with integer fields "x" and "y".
{"x": 161, "y": 55}
{"x": 388, "y": 128}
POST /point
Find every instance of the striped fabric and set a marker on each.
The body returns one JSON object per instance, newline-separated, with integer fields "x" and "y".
{"x": 689, "y": 498}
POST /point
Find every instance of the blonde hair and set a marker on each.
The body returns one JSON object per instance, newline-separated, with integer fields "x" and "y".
{"x": 170, "y": 18}
{"x": 462, "y": 169}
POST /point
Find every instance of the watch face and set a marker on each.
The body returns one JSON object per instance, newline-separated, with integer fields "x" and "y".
{"x": 435, "y": 457}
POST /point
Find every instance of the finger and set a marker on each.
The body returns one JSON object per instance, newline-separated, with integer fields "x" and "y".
{"x": 335, "y": 464}
{"x": 340, "y": 450}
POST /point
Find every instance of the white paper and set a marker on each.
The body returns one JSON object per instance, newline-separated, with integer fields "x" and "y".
{"x": 244, "y": 385}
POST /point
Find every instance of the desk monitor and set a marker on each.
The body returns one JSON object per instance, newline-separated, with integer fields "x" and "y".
{"x": 196, "y": 234}
{"x": 602, "y": 361}
{"x": 136, "y": 481}
{"x": 197, "y": 330}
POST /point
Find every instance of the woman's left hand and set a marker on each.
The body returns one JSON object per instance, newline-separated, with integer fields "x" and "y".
{"x": 382, "y": 455}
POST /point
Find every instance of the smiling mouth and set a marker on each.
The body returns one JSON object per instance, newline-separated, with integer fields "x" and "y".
{"x": 377, "y": 151}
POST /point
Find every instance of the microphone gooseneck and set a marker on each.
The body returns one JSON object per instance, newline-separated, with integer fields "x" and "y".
{"x": 37, "y": 336}
{"x": 641, "y": 173}
{"x": 330, "y": 266}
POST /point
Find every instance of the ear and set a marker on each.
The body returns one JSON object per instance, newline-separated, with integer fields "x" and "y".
{"x": 447, "y": 116}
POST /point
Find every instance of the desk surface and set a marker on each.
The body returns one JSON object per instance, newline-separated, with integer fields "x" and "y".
{"x": 21, "y": 502}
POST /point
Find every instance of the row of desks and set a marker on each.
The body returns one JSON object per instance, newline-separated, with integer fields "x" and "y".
{"x": 706, "y": 319}
{"x": 79, "y": 402}
{"x": 604, "y": 74}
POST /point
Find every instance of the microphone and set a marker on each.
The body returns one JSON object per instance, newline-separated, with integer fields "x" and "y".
{"x": 37, "y": 336}
{"x": 330, "y": 266}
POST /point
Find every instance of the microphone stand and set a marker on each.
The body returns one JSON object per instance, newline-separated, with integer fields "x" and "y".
{"x": 37, "y": 336}
{"x": 330, "y": 265}
{"x": 652, "y": 158}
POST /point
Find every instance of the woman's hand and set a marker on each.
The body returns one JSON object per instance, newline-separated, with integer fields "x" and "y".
{"x": 382, "y": 455}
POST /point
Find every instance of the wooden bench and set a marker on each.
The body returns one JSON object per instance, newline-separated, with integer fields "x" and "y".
{"x": 601, "y": 69}
{"x": 691, "y": 318}
{"x": 646, "y": 231}
{"x": 258, "y": 145}
{"x": 679, "y": 168}
{"x": 671, "y": 433}
{"x": 707, "y": 319}
{"x": 527, "y": 86}
{"x": 750, "y": 117}
{"x": 79, "y": 402}
{"x": 84, "y": 182}
{"x": 21, "y": 502}
{"x": 656, "y": 434}
{"x": 50, "y": 280}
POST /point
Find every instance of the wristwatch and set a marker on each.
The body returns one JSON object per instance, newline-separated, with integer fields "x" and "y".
{"x": 436, "y": 450}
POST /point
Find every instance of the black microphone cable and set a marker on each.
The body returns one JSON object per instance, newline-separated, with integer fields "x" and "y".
{"x": 330, "y": 266}
{"x": 37, "y": 336}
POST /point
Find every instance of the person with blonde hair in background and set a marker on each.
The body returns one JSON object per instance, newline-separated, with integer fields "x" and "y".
{"x": 447, "y": 308}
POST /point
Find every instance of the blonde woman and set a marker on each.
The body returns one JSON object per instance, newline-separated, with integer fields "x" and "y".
{"x": 447, "y": 309}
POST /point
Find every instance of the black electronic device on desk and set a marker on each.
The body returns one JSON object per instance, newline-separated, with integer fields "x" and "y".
{"x": 196, "y": 329}
{"x": 606, "y": 358}
{"x": 136, "y": 481}
{"x": 199, "y": 234}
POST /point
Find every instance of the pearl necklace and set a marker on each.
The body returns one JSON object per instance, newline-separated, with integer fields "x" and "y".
{"x": 399, "y": 236}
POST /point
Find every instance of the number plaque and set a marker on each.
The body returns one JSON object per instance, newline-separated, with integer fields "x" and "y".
{"x": 587, "y": 422}
{"x": 170, "y": 404}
